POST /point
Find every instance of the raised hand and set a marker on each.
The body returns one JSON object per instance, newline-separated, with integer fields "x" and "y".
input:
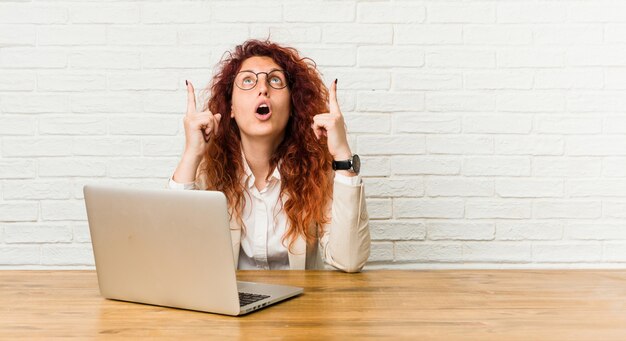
{"x": 332, "y": 126}
{"x": 199, "y": 126}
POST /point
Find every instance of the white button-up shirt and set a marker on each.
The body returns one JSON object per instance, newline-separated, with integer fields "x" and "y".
{"x": 265, "y": 221}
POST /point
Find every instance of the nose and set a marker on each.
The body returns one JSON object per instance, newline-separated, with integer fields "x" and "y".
{"x": 262, "y": 86}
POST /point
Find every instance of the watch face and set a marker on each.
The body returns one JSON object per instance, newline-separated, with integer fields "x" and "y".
{"x": 356, "y": 163}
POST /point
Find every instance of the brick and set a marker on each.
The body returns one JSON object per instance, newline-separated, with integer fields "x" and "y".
{"x": 568, "y": 34}
{"x": 602, "y": 231}
{"x": 496, "y": 166}
{"x": 513, "y": 13}
{"x": 398, "y": 13}
{"x": 17, "y": 81}
{"x": 142, "y": 35}
{"x": 80, "y": 233}
{"x": 609, "y": 55}
{"x": 37, "y": 233}
{"x": 375, "y": 166}
{"x": 496, "y": 252}
{"x": 613, "y": 79}
{"x": 389, "y": 101}
{"x": 459, "y": 144}
{"x": 428, "y": 252}
{"x": 568, "y": 79}
{"x": 104, "y": 14}
{"x": 614, "y": 209}
{"x": 501, "y": 124}
{"x": 330, "y": 56}
{"x": 176, "y": 58}
{"x": 398, "y": 144}
{"x": 529, "y": 188}
{"x": 499, "y": 79}
{"x": 367, "y": 123}
{"x": 596, "y": 188}
{"x": 594, "y": 102}
{"x": 531, "y": 57}
{"x": 569, "y": 209}
{"x": 497, "y": 208}
{"x": 105, "y": 59}
{"x": 162, "y": 146}
{"x": 529, "y": 230}
{"x": 63, "y": 210}
{"x": 17, "y": 168}
{"x": 497, "y": 35}
{"x": 36, "y": 146}
{"x": 614, "y": 251}
{"x": 247, "y": 12}
{"x": 144, "y": 125}
{"x": 536, "y": 101}
{"x": 71, "y": 35}
{"x": 381, "y": 252}
{"x": 293, "y": 34}
{"x": 19, "y": 211}
{"x": 73, "y": 166}
{"x": 207, "y": 34}
{"x": 330, "y": 12}
{"x": 144, "y": 80}
{"x": 364, "y": 33}
{"x": 383, "y": 56}
{"x": 614, "y": 33}
{"x": 459, "y": 101}
{"x": 596, "y": 145}
{"x": 136, "y": 183}
{"x": 397, "y": 230}
{"x": 421, "y": 80}
{"x": 428, "y": 208}
{"x": 102, "y": 146}
{"x": 446, "y": 230}
{"x": 165, "y": 102}
{"x": 140, "y": 167}
{"x": 72, "y": 125}
{"x": 177, "y": 12}
{"x": 36, "y": 189}
{"x": 613, "y": 166}
{"x": 458, "y": 187}
{"x": 460, "y": 58}
{"x": 395, "y": 187}
{"x": 17, "y": 35}
{"x": 33, "y": 104}
{"x": 589, "y": 12}
{"x": 71, "y": 81}
{"x": 428, "y": 34}
{"x": 92, "y": 103}
{"x": 426, "y": 123}
{"x": 19, "y": 255}
{"x": 461, "y": 13}
{"x": 32, "y": 14}
{"x": 31, "y": 58}
{"x": 559, "y": 124}
{"x": 67, "y": 255}
{"x": 529, "y": 145}
{"x": 379, "y": 208}
{"x": 567, "y": 252}
{"x": 566, "y": 166}
{"x": 427, "y": 165}
{"x": 17, "y": 125}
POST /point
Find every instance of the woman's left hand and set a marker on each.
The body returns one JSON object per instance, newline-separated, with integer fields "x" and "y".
{"x": 333, "y": 127}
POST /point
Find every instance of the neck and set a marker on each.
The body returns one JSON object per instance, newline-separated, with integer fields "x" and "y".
{"x": 258, "y": 152}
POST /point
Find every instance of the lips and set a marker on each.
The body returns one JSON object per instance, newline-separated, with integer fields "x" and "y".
{"x": 263, "y": 110}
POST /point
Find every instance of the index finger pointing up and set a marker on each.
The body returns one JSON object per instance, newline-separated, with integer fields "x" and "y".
{"x": 191, "y": 98}
{"x": 332, "y": 98}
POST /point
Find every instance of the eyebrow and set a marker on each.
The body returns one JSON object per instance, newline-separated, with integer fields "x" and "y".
{"x": 274, "y": 69}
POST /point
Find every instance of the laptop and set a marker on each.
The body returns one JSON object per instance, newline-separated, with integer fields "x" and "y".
{"x": 170, "y": 248}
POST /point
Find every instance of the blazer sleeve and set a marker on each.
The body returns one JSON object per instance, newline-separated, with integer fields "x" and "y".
{"x": 345, "y": 242}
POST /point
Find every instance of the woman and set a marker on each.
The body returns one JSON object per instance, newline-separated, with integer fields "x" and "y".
{"x": 269, "y": 138}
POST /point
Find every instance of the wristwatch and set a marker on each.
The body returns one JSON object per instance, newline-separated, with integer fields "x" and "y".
{"x": 353, "y": 165}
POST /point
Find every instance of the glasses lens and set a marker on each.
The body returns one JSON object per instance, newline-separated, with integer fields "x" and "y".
{"x": 245, "y": 80}
{"x": 277, "y": 79}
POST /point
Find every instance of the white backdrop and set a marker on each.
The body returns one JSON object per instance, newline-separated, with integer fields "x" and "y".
{"x": 492, "y": 133}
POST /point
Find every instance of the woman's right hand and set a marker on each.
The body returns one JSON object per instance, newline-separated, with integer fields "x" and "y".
{"x": 200, "y": 127}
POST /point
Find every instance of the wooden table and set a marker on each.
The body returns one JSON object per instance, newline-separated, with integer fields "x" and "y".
{"x": 434, "y": 305}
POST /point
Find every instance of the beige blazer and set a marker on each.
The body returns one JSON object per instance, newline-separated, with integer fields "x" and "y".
{"x": 345, "y": 243}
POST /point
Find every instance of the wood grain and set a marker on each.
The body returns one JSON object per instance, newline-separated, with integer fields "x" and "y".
{"x": 436, "y": 305}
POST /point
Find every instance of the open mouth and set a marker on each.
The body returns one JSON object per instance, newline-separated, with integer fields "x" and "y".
{"x": 263, "y": 109}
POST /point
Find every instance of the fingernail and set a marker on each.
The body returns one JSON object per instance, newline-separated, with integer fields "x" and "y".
{"x": 335, "y": 81}
{"x": 186, "y": 83}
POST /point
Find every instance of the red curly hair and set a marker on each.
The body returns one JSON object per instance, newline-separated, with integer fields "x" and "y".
{"x": 305, "y": 168}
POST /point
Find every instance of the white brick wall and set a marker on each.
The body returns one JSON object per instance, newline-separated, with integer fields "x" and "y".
{"x": 492, "y": 133}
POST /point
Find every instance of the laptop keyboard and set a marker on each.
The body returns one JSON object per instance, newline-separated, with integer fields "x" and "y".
{"x": 247, "y": 298}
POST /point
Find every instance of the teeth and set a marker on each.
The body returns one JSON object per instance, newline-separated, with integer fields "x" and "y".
{"x": 263, "y": 106}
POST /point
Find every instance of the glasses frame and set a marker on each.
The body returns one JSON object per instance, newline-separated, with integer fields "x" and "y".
{"x": 267, "y": 76}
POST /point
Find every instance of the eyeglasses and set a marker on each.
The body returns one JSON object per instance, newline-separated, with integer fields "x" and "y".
{"x": 246, "y": 80}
